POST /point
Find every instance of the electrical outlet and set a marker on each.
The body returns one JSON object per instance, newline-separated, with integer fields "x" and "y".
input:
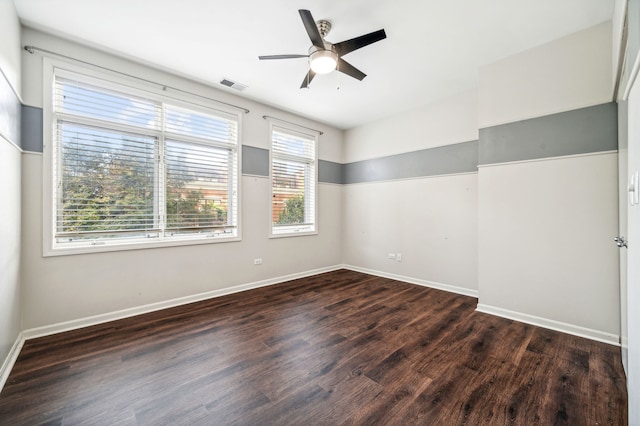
{"x": 257, "y": 261}
{"x": 399, "y": 257}
{"x": 391, "y": 256}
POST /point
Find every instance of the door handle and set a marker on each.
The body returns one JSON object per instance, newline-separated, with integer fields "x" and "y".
{"x": 620, "y": 242}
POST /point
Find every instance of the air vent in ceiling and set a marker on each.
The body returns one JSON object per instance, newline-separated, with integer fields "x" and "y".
{"x": 232, "y": 84}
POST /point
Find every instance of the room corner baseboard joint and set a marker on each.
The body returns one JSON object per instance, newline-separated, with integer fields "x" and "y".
{"x": 417, "y": 281}
{"x": 10, "y": 360}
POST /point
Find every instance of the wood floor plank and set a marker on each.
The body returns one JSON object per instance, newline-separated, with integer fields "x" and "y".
{"x": 607, "y": 388}
{"x": 390, "y": 405}
{"x": 337, "y": 348}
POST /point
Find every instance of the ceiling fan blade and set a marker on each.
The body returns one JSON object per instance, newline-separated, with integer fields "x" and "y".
{"x": 307, "y": 79}
{"x": 282, "y": 57}
{"x": 347, "y": 68}
{"x": 347, "y": 46}
{"x": 312, "y": 28}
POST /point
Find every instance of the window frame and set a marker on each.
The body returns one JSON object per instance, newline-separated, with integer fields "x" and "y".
{"x": 292, "y": 129}
{"x": 134, "y": 87}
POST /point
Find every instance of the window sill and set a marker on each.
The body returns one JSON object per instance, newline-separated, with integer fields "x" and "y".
{"x": 293, "y": 234}
{"x": 126, "y": 246}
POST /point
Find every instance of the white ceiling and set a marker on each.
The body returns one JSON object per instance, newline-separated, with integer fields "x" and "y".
{"x": 433, "y": 47}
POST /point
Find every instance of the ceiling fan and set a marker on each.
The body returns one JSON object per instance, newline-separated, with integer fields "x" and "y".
{"x": 325, "y": 56}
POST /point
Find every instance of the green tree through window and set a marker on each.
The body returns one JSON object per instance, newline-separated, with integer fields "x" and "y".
{"x": 105, "y": 188}
{"x": 293, "y": 211}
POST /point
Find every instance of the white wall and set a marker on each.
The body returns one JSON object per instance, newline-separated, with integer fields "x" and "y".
{"x": 568, "y": 73}
{"x": 431, "y": 221}
{"x": 67, "y": 288}
{"x": 10, "y": 304}
{"x": 546, "y": 227}
{"x": 448, "y": 121}
{"x": 546, "y": 230}
{"x": 10, "y": 43}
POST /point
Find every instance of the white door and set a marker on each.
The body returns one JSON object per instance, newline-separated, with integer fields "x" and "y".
{"x": 633, "y": 255}
{"x": 623, "y": 201}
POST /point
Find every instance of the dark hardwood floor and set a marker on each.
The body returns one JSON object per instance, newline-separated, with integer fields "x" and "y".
{"x": 337, "y": 348}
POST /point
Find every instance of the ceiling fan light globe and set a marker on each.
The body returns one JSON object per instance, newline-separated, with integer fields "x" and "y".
{"x": 323, "y": 61}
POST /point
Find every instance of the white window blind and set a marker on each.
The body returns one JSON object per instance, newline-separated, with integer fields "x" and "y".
{"x": 105, "y": 184}
{"x": 198, "y": 188}
{"x": 134, "y": 169}
{"x": 293, "y": 182}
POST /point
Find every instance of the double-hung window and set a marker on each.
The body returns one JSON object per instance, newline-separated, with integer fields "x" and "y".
{"x": 134, "y": 168}
{"x": 293, "y": 182}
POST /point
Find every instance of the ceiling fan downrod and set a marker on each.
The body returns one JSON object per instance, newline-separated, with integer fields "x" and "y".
{"x": 324, "y": 27}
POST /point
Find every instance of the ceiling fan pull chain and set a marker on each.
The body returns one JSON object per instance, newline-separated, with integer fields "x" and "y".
{"x": 338, "y": 76}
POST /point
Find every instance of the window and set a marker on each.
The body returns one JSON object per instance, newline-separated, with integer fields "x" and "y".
{"x": 293, "y": 182}
{"x": 133, "y": 168}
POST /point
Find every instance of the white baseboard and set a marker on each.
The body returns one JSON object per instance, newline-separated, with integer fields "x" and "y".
{"x": 10, "y": 360}
{"x": 575, "y": 330}
{"x": 446, "y": 287}
{"x": 126, "y": 313}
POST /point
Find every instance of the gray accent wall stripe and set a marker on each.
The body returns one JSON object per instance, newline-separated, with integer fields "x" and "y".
{"x": 31, "y": 128}
{"x": 330, "y": 172}
{"x": 443, "y": 160}
{"x": 9, "y": 112}
{"x": 255, "y": 161}
{"x": 580, "y": 131}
